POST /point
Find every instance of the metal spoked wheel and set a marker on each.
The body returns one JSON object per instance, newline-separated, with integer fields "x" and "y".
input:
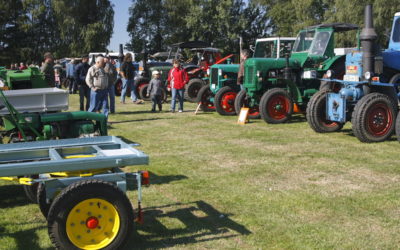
{"x": 224, "y": 101}
{"x": 373, "y": 118}
{"x": 90, "y": 214}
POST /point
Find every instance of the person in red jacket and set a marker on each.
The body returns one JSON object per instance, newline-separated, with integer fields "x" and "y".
{"x": 177, "y": 79}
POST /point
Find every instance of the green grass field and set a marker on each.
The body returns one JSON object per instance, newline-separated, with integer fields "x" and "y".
{"x": 220, "y": 185}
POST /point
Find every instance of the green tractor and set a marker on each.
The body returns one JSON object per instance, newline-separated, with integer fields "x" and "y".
{"x": 275, "y": 88}
{"x": 34, "y": 114}
{"x": 221, "y": 93}
{"x": 21, "y": 79}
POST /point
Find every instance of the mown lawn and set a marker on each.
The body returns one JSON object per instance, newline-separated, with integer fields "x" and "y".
{"x": 220, "y": 185}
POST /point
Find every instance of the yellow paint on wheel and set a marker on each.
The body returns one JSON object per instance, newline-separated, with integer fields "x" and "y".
{"x": 93, "y": 224}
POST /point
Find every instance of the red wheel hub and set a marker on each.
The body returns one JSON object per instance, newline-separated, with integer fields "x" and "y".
{"x": 380, "y": 119}
{"x": 278, "y": 107}
{"x": 228, "y": 100}
{"x": 92, "y": 222}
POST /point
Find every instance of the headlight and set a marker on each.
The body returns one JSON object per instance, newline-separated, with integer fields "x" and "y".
{"x": 310, "y": 74}
{"x": 258, "y": 73}
{"x": 367, "y": 75}
{"x": 329, "y": 73}
{"x": 208, "y": 71}
{"x": 1, "y": 83}
{"x": 220, "y": 72}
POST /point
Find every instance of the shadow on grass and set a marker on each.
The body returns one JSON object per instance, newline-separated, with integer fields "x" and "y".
{"x": 12, "y": 196}
{"x": 164, "y": 179}
{"x": 349, "y": 132}
{"x": 198, "y": 222}
{"x": 25, "y": 239}
{"x": 140, "y": 120}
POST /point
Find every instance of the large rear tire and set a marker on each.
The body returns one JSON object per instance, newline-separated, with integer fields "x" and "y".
{"x": 398, "y": 127}
{"x": 204, "y": 99}
{"x": 224, "y": 101}
{"x": 276, "y": 106}
{"x": 192, "y": 88}
{"x": 316, "y": 114}
{"x": 90, "y": 214}
{"x": 373, "y": 118}
{"x": 242, "y": 100}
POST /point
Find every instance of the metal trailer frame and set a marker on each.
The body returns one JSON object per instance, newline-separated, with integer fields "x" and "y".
{"x": 60, "y": 163}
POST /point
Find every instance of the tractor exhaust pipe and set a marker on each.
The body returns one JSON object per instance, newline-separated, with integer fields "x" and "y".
{"x": 368, "y": 37}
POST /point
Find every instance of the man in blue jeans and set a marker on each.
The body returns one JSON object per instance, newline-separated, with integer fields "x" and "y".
{"x": 111, "y": 71}
{"x": 127, "y": 72}
{"x": 97, "y": 81}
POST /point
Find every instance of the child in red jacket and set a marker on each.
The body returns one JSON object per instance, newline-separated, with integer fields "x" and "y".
{"x": 177, "y": 79}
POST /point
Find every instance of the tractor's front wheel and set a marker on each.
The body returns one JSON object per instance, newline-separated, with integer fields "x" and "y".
{"x": 276, "y": 106}
{"x": 224, "y": 101}
{"x": 204, "y": 99}
{"x": 192, "y": 88}
{"x": 316, "y": 114}
{"x": 373, "y": 118}
{"x": 90, "y": 214}
{"x": 242, "y": 100}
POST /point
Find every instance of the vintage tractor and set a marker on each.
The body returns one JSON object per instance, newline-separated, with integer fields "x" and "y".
{"x": 33, "y": 114}
{"x": 21, "y": 79}
{"x": 275, "y": 88}
{"x": 368, "y": 93}
{"x": 221, "y": 93}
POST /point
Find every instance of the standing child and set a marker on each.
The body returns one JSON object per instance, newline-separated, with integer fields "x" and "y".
{"x": 155, "y": 91}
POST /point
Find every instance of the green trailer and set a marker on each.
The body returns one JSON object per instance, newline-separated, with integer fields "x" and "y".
{"x": 275, "y": 88}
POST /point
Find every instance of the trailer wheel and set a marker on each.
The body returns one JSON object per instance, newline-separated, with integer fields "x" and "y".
{"x": 204, "y": 98}
{"x": 224, "y": 101}
{"x": 241, "y": 100}
{"x": 316, "y": 114}
{"x": 42, "y": 201}
{"x": 192, "y": 88}
{"x": 31, "y": 190}
{"x": 373, "y": 118}
{"x": 90, "y": 214}
{"x": 142, "y": 90}
{"x": 276, "y": 106}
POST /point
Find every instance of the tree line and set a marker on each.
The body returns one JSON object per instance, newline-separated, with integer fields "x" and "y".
{"x": 29, "y": 28}
{"x": 156, "y": 24}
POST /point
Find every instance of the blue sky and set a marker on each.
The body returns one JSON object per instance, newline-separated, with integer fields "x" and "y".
{"x": 121, "y": 17}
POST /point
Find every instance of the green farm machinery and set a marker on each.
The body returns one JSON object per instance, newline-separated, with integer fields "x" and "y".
{"x": 33, "y": 114}
{"x": 21, "y": 79}
{"x": 276, "y": 88}
{"x": 220, "y": 94}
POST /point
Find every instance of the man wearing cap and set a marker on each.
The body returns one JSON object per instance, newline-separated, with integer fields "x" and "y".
{"x": 80, "y": 77}
{"x": 97, "y": 81}
{"x": 48, "y": 69}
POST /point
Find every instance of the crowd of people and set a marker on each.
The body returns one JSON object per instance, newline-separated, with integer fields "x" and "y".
{"x": 96, "y": 84}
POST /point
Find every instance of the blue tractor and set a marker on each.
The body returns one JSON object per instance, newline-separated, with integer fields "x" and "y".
{"x": 368, "y": 94}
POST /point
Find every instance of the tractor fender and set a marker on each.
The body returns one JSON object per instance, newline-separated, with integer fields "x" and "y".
{"x": 328, "y": 64}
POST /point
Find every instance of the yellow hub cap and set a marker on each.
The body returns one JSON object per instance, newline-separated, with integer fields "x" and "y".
{"x": 92, "y": 224}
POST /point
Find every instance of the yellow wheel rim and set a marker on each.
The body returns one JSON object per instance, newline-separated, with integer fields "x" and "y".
{"x": 92, "y": 224}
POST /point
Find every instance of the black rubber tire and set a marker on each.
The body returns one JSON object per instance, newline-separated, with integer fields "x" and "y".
{"x": 83, "y": 190}
{"x": 219, "y": 98}
{"x": 241, "y": 101}
{"x": 398, "y": 127}
{"x": 118, "y": 87}
{"x": 265, "y": 103}
{"x": 192, "y": 88}
{"x": 316, "y": 114}
{"x": 203, "y": 97}
{"x": 143, "y": 92}
{"x": 31, "y": 190}
{"x": 42, "y": 201}
{"x": 361, "y": 113}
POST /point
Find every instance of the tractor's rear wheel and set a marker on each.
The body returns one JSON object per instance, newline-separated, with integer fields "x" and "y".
{"x": 316, "y": 114}
{"x": 276, "y": 106}
{"x": 398, "y": 127}
{"x": 242, "y": 100}
{"x": 204, "y": 99}
{"x": 141, "y": 88}
{"x": 90, "y": 214}
{"x": 373, "y": 118}
{"x": 192, "y": 88}
{"x": 224, "y": 101}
